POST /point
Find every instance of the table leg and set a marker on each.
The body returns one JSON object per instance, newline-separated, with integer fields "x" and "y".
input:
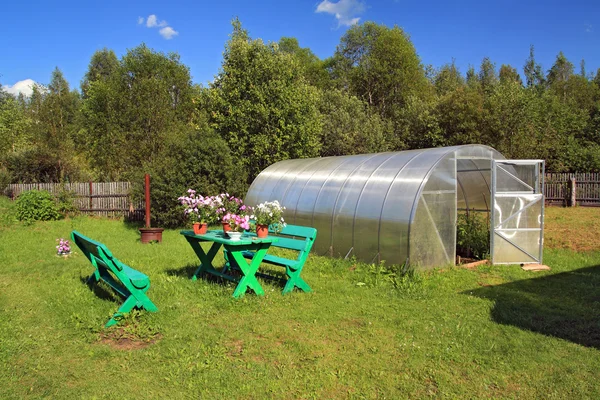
{"x": 248, "y": 270}
{"x": 205, "y": 258}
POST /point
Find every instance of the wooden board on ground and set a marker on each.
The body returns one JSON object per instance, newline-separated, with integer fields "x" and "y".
{"x": 535, "y": 267}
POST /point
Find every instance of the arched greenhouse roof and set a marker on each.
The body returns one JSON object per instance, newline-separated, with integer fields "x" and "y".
{"x": 396, "y": 206}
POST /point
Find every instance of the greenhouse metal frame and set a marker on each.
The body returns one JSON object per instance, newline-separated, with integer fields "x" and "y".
{"x": 401, "y": 207}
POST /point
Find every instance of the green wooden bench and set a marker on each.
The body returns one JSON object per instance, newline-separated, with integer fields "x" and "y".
{"x": 126, "y": 281}
{"x": 292, "y": 237}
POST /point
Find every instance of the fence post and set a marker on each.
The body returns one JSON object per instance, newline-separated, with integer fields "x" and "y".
{"x": 573, "y": 190}
{"x": 90, "y": 198}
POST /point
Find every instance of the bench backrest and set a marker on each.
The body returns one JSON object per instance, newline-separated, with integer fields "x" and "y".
{"x": 96, "y": 252}
{"x": 295, "y": 237}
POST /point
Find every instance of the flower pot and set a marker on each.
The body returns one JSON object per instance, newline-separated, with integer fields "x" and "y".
{"x": 226, "y": 226}
{"x": 262, "y": 231}
{"x": 151, "y": 234}
{"x": 200, "y": 228}
{"x": 234, "y": 235}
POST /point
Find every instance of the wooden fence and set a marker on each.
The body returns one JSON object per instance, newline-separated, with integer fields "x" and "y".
{"x": 111, "y": 199}
{"x": 582, "y": 189}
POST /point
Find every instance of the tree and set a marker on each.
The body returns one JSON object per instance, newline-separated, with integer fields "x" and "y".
{"x": 380, "y": 66}
{"x": 460, "y": 116}
{"x": 559, "y": 75}
{"x": 509, "y": 74}
{"x": 419, "y": 125}
{"x": 314, "y": 69}
{"x": 472, "y": 79}
{"x": 14, "y": 128}
{"x": 103, "y": 66}
{"x": 487, "y": 75}
{"x": 53, "y": 112}
{"x": 261, "y": 104}
{"x": 349, "y": 127}
{"x": 448, "y": 79}
{"x": 130, "y": 110}
{"x": 534, "y": 75}
{"x": 508, "y": 121}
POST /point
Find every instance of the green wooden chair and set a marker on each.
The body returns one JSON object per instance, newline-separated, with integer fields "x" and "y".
{"x": 126, "y": 281}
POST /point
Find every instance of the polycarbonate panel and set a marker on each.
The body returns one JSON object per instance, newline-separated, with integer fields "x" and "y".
{"x": 302, "y": 209}
{"x": 399, "y": 204}
{"x": 433, "y": 232}
{"x": 507, "y": 181}
{"x": 518, "y": 212}
{"x": 327, "y": 198}
{"x": 290, "y": 198}
{"x": 516, "y": 247}
{"x": 370, "y": 203}
{"x": 347, "y": 201}
{"x": 474, "y": 180}
{"x": 276, "y": 176}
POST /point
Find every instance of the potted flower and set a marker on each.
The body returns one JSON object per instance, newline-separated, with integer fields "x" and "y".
{"x": 226, "y": 204}
{"x": 63, "y": 248}
{"x": 269, "y": 213}
{"x": 237, "y": 223}
{"x": 200, "y": 210}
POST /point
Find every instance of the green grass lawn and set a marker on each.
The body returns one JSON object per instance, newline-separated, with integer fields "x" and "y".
{"x": 493, "y": 332}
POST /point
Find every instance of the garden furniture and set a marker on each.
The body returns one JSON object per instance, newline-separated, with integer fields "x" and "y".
{"x": 126, "y": 281}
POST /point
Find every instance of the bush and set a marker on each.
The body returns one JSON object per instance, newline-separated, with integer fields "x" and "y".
{"x": 196, "y": 159}
{"x": 36, "y": 205}
{"x": 472, "y": 235}
{"x": 65, "y": 201}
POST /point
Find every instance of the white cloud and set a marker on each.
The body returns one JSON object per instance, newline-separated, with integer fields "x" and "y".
{"x": 25, "y": 86}
{"x": 589, "y": 28}
{"x": 153, "y": 21}
{"x": 345, "y": 11}
{"x": 168, "y": 32}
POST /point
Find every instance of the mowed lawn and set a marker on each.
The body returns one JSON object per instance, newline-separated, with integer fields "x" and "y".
{"x": 493, "y": 332}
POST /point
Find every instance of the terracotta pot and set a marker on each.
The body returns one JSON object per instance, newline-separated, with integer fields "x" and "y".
{"x": 262, "y": 231}
{"x": 151, "y": 234}
{"x": 200, "y": 228}
{"x": 226, "y": 226}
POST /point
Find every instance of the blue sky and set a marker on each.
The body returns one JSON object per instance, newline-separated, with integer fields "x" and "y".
{"x": 37, "y": 36}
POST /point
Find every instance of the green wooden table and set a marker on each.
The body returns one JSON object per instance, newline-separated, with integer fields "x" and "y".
{"x": 235, "y": 248}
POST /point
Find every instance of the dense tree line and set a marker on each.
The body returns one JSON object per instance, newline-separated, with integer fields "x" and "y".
{"x": 272, "y": 101}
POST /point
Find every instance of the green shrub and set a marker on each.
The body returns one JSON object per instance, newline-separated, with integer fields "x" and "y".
{"x": 65, "y": 201}
{"x": 195, "y": 159}
{"x": 36, "y": 205}
{"x": 472, "y": 235}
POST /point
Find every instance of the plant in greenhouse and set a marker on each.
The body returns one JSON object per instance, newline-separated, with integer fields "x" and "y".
{"x": 472, "y": 235}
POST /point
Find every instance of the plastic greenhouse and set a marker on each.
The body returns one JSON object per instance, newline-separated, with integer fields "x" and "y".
{"x": 402, "y": 207}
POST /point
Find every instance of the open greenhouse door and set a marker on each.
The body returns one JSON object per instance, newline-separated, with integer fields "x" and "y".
{"x": 517, "y": 216}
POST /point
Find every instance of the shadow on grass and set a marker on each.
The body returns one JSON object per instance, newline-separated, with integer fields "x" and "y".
{"x": 189, "y": 270}
{"x": 564, "y": 305}
{"x": 185, "y": 272}
{"x": 133, "y": 225}
{"x": 100, "y": 290}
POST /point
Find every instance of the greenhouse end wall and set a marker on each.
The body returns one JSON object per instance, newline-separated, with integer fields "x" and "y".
{"x": 397, "y": 207}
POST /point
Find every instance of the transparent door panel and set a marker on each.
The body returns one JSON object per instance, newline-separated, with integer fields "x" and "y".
{"x": 514, "y": 246}
{"x": 518, "y": 212}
